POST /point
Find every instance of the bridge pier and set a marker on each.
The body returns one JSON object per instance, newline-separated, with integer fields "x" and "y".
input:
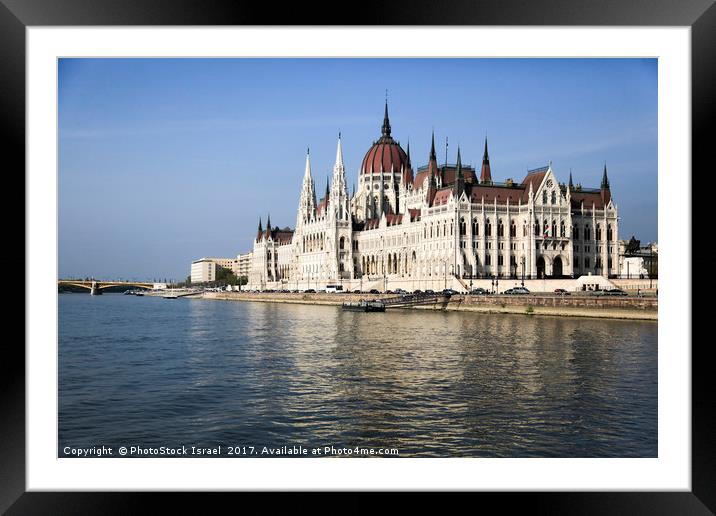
{"x": 95, "y": 290}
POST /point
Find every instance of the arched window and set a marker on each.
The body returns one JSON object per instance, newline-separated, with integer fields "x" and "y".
{"x": 561, "y": 229}
{"x": 554, "y": 197}
{"x": 500, "y": 228}
{"x": 544, "y": 197}
{"x": 488, "y": 228}
{"x": 513, "y": 229}
{"x": 598, "y": 232}
{"x": 342, "y": 243}
{"x": 575, "y": 232}
{"x": 537, "y": 228}
{"x": 463, "y": 227}
{"x": 553, "y": 229}
{"x": 587, "y": 233}
{"x": 475, "y": 228}
{"x": 609, "y": 233}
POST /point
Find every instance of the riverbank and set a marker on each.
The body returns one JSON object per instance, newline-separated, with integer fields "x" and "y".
{"x": 534, "y": 304}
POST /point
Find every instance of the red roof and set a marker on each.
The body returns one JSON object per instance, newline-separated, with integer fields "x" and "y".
{"x": 393, "y": 219}
{"x": 501, "y": 193}
{"x": 442, "y": 196}
{"x": 589, "y": 199}
{"x": 371, "y": 223}
{"x": 384, "y": 155}
{"x": 535, "y": 179}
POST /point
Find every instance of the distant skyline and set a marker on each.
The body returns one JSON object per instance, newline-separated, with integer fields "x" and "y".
{"x": 164, "y": 161}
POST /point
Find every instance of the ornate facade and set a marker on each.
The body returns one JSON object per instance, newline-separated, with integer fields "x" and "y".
{"x": 436, "y": 226}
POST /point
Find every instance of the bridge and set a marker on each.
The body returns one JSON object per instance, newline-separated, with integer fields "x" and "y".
{"x": 95, "y": 287}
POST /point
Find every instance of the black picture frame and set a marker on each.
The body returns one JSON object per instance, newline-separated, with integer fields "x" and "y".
{"x": 17, "y": 15}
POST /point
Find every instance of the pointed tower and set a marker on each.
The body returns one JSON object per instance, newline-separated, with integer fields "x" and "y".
{"x": 339, "y": 229}
{"x": 339, "y": 188}
{"x": 385, "y": 129}
{"x": 432, "y": 174}
{"x": 433, "y": 170}
{"x": 605, "y": 190}
{"x": 459, "y": 185}
{"x": 486, "y": 173}
{"x": 261, "y": 229}
{"x": 307, "y": 202}
{"x": 408, "y": 177}
{"x": 571, "y": 184}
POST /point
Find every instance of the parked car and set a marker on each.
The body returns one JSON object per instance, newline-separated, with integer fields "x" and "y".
{"x": 417, "y": 291}
{"x": 374, "y": 291}
{"x": 429, "y": 291}
{"x": 478, "y": 291}
{"x": 561, "y": 291}
{"x": 400, "y": 291}
{"x": 310, "y": 291}
{"x": 516, "y": 291}
{"x": 615, "y": 292}
{"x": 450, "y": 292}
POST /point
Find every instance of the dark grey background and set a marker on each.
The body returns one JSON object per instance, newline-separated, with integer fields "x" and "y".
{"x": 15, "y": 15}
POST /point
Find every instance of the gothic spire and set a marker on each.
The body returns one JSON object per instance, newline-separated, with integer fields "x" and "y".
{"x": 260, "y": 228}
{"x": 268, "y": 223}
{"x": 385, "y": 130}
{"x": 486, "y": 173}
{"x": 571, "y": 184}
{"x": 408, "y": 155}
{"x": 339, "y": 153}
{"x": 432, "y": 148}
{"x": 605, "y": 179}
{"x": 459, "y": 163}
{"x": 459, "y": 178}
{"x": 307, "y": 173}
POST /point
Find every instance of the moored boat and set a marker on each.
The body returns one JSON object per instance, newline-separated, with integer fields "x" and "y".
{"x": 364, "y": 306}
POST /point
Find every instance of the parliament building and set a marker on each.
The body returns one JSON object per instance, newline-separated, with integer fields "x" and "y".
{"x": 435, "y": 227}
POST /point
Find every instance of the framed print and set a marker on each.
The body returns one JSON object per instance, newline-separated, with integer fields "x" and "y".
{"x": 255, "y": 258}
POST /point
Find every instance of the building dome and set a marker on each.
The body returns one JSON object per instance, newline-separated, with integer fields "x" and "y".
{"x": 386, "y": 153}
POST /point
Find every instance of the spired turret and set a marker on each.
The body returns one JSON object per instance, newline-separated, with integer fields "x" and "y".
{"x": 485, "y": 172}
{"x": 605, "y": 190}
{"x": 307, "y": 202}
{"x": 339, "y": 191}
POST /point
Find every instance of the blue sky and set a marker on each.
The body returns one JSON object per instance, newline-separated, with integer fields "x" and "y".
{"x": 163, "y": 161}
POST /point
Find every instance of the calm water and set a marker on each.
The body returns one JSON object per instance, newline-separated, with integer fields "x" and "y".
{"x": 153, "y": 372}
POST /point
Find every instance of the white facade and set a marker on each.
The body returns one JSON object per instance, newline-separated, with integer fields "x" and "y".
{"x": 243, "y": 265}
{"x": 203, "y": 270}
{"x": 441, "y": 227}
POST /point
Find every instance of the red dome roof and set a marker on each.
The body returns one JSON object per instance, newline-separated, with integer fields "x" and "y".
{"x": 386, "y": 153}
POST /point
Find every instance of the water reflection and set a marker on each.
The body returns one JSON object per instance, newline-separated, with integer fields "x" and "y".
{"x": 429, "y": 383}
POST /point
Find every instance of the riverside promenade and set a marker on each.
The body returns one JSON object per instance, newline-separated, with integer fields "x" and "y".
{"x": 639, "y": 308}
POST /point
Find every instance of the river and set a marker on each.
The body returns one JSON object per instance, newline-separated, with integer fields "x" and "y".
{"x": 151, "y": 373}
